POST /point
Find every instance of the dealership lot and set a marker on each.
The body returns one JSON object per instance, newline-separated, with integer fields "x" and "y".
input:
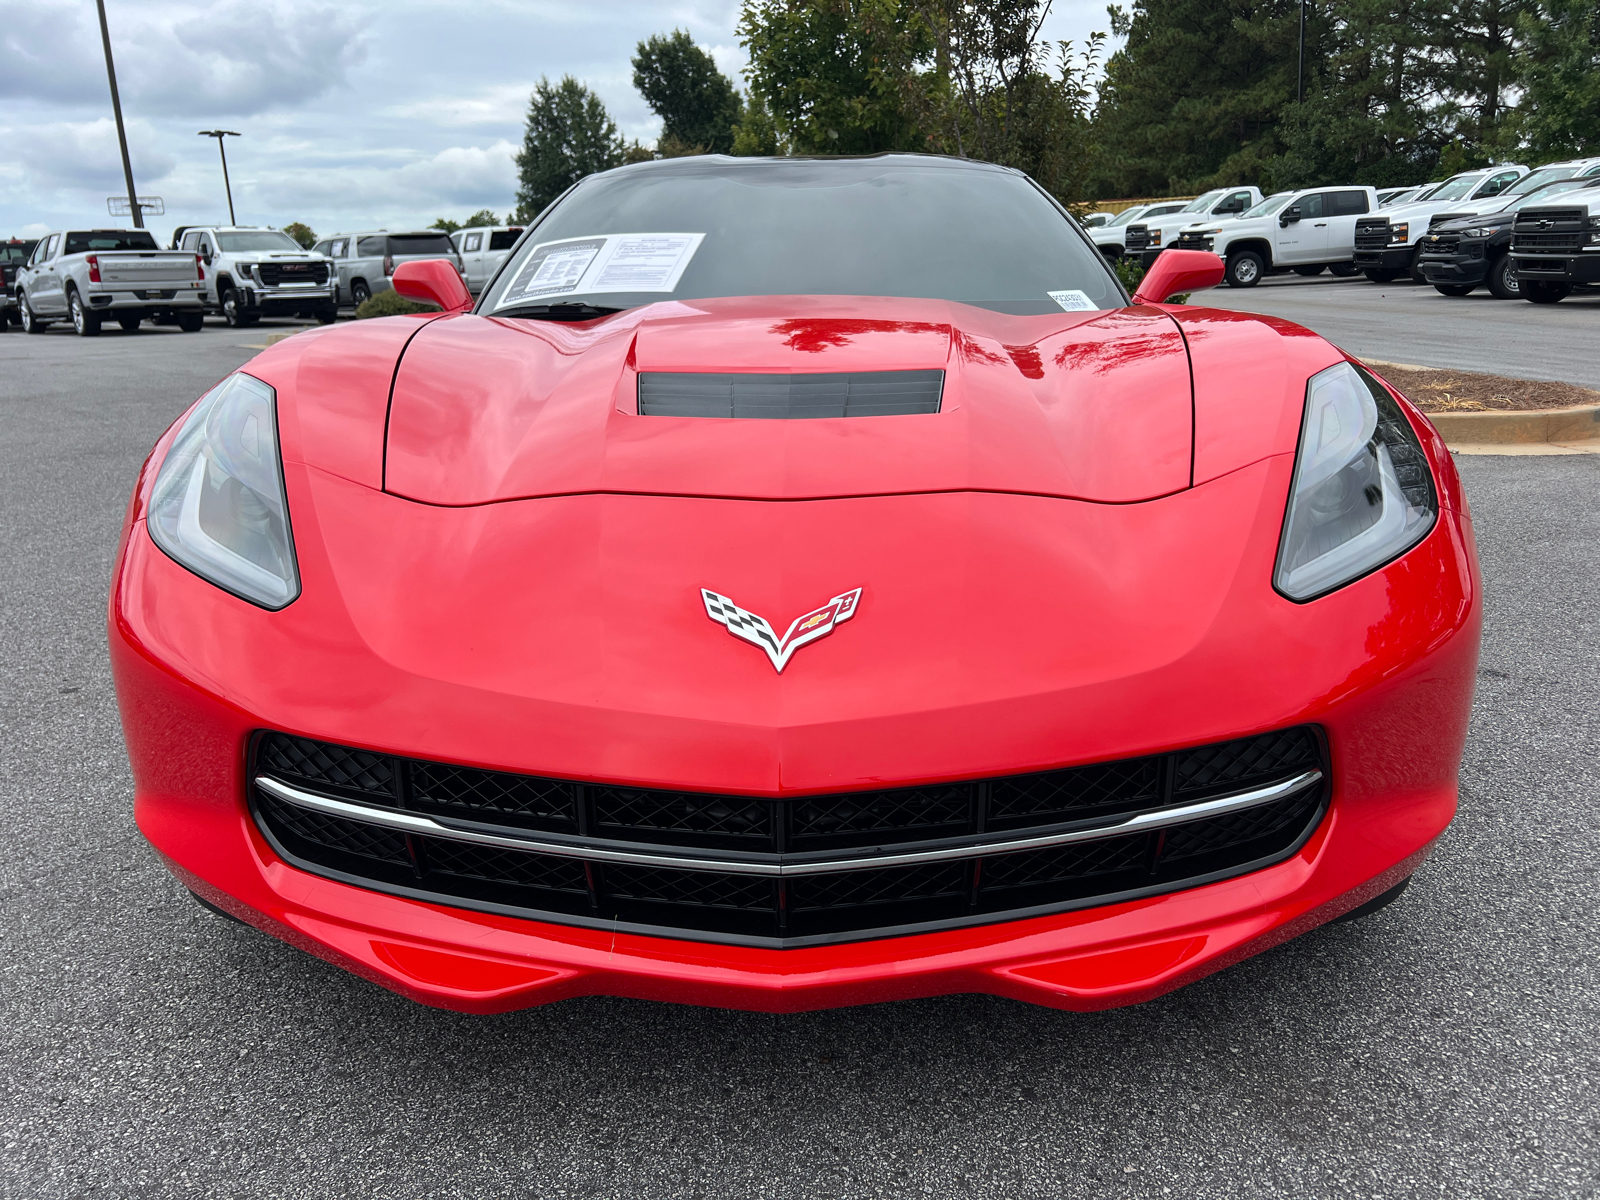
{"x": 1402, "y": 322}
{"x": 1448, "y": 1045}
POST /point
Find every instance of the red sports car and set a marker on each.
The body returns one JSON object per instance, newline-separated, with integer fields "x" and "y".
{"x": 797, "y": 583}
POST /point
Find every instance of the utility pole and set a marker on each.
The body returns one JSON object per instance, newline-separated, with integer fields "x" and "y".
{"x": 1300, "y": 80}
{"x": 219, "y": 134}
{"x": 116, "y": 108}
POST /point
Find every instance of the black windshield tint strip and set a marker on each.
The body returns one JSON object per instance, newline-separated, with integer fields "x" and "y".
{"x": 789, "y": 397}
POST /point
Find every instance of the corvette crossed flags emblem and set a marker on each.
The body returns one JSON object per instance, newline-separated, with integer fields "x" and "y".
{"x": 819, "y": 622}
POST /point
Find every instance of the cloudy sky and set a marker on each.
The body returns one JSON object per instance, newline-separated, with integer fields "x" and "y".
{"x": 354, "y": 115}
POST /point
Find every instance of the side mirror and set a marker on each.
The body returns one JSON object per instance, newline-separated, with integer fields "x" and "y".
{"x": 434, "y": 281}
{"x": 1177, "y": 271}
{"x": 1290, "y": 215}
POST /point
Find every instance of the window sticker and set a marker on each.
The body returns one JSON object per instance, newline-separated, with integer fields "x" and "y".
{"x": 618, "y": 262}
{"x": 1073, "y": 301}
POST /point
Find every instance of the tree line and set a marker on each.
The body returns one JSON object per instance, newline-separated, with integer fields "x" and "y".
{"x": 1202, "y": 93}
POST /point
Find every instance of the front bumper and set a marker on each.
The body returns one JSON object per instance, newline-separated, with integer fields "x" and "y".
{"x": 1384, "y": 666}
{"x": 1455, "y": 269}
{"x": 1392, "y": 258}
{"x": 1583, "y": 267}
{"x": 270, "y": 301}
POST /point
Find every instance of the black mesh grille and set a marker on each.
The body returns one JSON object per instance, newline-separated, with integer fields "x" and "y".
{"x": 1372, "y": 235}
{"x": 788, "y": 397}
{"x": 274, "y": 273}
{"x": 758, "y": 908}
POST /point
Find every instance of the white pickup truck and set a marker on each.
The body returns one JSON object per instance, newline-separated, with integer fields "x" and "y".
{"x": 482, "y": 249}
{"x": 90, "y": 275}
{"x": 1307, "y": 232}
{"x": 1112, "y": 237}
{"x": 1149, "y": 236}
{"x": 1389, "y": 245}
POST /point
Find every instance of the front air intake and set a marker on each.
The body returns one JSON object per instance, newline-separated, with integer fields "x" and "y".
{"x": 789, "y": 397}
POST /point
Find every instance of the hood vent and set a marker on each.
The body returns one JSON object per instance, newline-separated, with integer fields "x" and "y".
{"x": 789, "y": 397}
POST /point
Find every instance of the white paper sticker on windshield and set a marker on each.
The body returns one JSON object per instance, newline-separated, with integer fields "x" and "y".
{"x": 618, "y": 262}
{"x": 553, "y": 269}
{"x": 1073, "y": 301}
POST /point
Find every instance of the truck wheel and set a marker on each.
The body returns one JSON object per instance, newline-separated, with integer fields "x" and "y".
{"x": 360, "y": 293}
{"x": 84, "y": 322}
{"x": 327, "y": 315}
{"x": 234, "y": 313}
{"x": 1382, "y": 276}
{"x": 1344, "y": 270}
{"x": 1309, "y": 271}
{"x": 1502, "y": 281}
{"x": 1545, "y": 293}
{"x": 191, "y": 322}
{"x": 1244, "y": 269}
{"x": 129, "y": 324}
{"x": 1454, "y": 289}
{"x": 30, "y": 322}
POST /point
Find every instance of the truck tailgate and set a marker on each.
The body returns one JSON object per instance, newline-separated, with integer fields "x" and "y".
{"x": 153, "y": 269}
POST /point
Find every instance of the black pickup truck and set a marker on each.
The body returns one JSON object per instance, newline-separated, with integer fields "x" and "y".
{"x": 1462, "y": 251}
{"x": 13, "y": 253}
{"x": 1556, "y": 248}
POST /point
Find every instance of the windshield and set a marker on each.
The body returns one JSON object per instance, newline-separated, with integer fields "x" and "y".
{"x": 260, "y": 240}
{"x": 1553, "y": 187}
{"x": 1202, "y": 203}
{"x": 1128, "y": 214}
{"x": 1537, "y": 179}
{"x": 17, "y": 251}
{"x": 895, "y": 225}
{"x": 82, "y": 241}
{"x": 1268, "y": 206}
{"x": 1454, "y": 189}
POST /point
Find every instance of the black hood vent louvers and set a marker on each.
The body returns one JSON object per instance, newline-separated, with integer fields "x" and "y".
{"x": 789, "y": 397}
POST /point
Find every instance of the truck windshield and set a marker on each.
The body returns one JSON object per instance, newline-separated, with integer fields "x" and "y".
{"x": 1268, "y": 206}
{"x": 1537, "y": 179}
{"x": 1202, "y": 203}
{"x": 891, "y": 225}
{"x": 1551, "y": 188}
{"x": 257, "y": 241}
{"x": 1454, "y": 189}
{"x": 1128, "y": 214}
{"x": 16, "y": 252}
{"x": 83, "y": 241}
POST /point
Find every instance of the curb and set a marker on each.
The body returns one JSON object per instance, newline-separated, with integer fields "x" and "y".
{"x": 1550, "y": 425}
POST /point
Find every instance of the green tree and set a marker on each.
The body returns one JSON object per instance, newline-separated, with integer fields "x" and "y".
{"x": 837, "y": 76}
{"x": 994, "y": 95}
{"x": 569, "y": 135}
{"x": 302, "y": 233}
{"x": 1559, "y": 68}
{"x": 446, "y": 224}
{"x": 697, "y": 103}
{"x": 756, "y": 134}
{"x": 479, "y": 219}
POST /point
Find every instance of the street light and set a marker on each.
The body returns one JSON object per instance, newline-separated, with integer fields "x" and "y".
{"x": 116, "y": 108}
{"x": 219, "y": 134}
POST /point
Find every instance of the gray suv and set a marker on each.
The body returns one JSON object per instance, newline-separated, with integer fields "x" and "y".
{"x": 363, "y": 262}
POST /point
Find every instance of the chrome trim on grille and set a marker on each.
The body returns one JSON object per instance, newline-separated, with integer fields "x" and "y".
{"x": 790, "y": 866}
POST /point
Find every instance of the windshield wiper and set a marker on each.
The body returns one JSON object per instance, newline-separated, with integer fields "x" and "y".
{"x": 571, "y": 311}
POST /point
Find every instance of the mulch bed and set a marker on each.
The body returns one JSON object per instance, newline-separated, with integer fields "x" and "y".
{"x": 1445, "y": 390}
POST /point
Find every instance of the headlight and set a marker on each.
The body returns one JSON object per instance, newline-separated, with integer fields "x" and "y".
{"x": 1400, "y": 232}
{"x": 1484, "y": 231}
{"x": 218, "y": 507}
{"x": 1362, "y": 493}
{"x": 1155, "y": 237}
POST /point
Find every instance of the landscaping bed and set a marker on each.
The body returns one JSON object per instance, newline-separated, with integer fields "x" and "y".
{"x": 1442, "y": 389}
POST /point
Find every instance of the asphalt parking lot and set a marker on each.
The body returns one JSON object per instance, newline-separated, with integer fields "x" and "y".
{"x": 1401, "y": 322}
{"x": 1448, "y": 1046}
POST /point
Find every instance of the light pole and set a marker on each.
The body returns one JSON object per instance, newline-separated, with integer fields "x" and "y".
{"x": 116, "y": 109}
{"x": 1300, "y": 79}
{"x": 219, "y": 134}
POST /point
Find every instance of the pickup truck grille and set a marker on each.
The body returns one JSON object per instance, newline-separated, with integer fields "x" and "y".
{"x": 1138, "y": 237}
{"x": 1372, "y": 234}
{"x": 273, "y": 273}
{"x": 1441, "y": 243}
{"x": 1192, "y": 241}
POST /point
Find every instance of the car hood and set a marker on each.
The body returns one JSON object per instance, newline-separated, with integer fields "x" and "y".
{"x": 1092, "y": 406}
